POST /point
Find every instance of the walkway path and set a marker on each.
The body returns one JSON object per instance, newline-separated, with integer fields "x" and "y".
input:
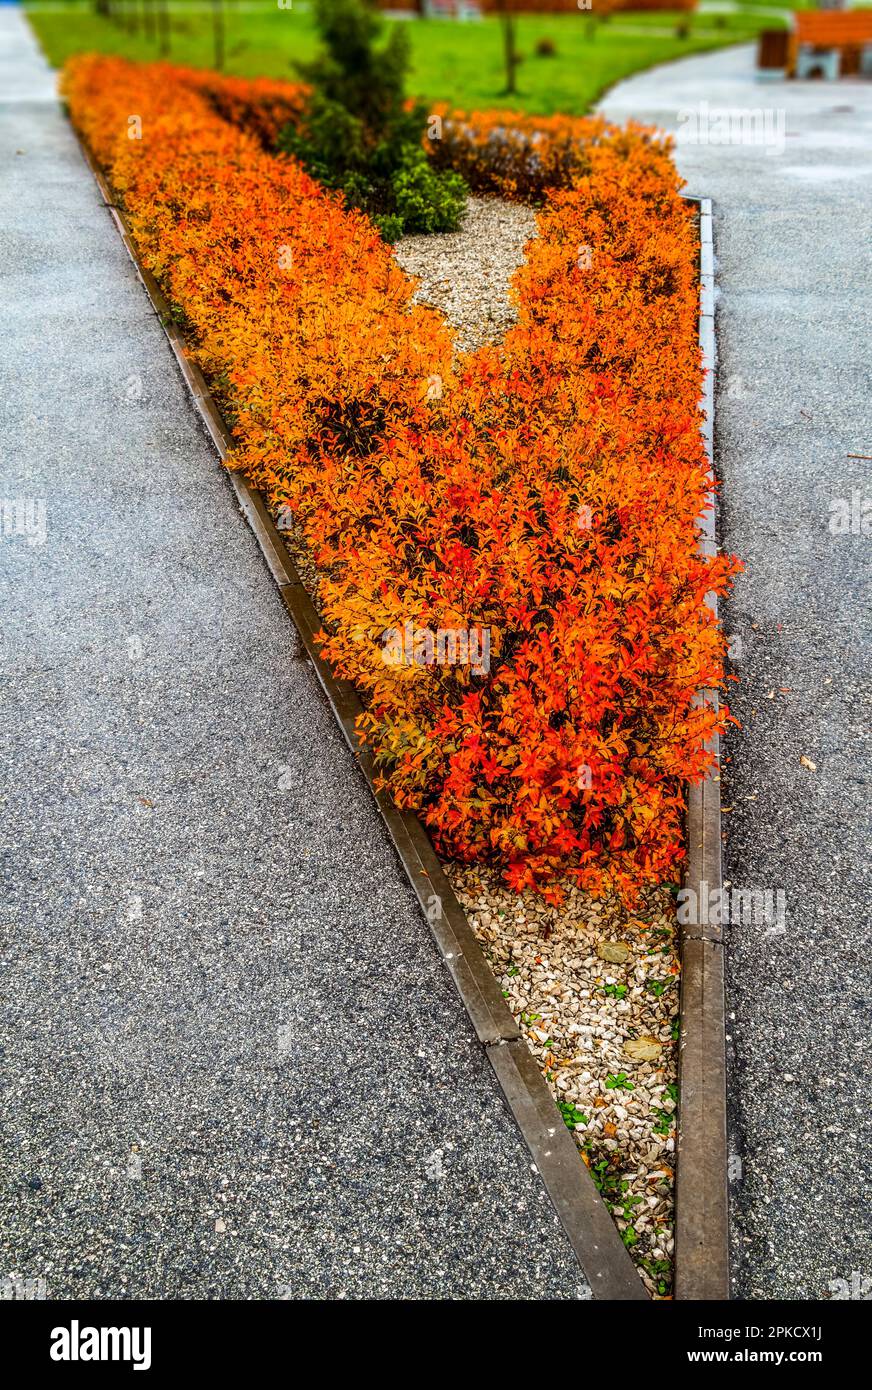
{"x": 234, "y": 1065}
{"x": 794, "y": 324}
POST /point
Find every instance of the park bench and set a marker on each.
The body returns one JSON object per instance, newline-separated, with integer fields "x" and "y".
{"x": 833, "y": 43}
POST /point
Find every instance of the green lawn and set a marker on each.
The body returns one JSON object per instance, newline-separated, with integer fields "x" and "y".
{"x": 460, "y": 63}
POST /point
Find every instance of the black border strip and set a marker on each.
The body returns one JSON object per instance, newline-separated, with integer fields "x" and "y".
{"x": 702, "y": 1249}
{"x": 592, "y": 1233}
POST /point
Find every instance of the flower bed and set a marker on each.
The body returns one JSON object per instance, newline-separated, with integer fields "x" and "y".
{"x": 539, "y": 499}
{"x": 505, "y": 539}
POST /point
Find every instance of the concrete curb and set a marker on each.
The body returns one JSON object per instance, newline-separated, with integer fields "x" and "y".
{"x": 591, "y": 1231}
{"x": 702, "y": 1267}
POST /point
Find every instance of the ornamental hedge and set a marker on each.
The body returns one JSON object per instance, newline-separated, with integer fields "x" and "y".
{"x": 519, "y": 156}
{"x": 544, "y": 492}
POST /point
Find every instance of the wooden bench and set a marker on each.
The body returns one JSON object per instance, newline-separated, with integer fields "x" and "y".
{"x": 847, "y": 32}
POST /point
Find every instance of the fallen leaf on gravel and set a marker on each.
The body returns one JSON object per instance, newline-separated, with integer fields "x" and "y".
{"x": 643, "y": 1049}
{"x": 807, "y": 762}
{"x": 615, "y": 951}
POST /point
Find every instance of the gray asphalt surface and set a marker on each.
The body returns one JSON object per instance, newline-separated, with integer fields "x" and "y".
{"x": 794, "y": 329}
{"x": 234, "y": 1065}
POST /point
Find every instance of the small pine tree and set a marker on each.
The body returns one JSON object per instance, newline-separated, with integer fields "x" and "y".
{"x": 360, "y": 135}
{"x": 368, "y": 82}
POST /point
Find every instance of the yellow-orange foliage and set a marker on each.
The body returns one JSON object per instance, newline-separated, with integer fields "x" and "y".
{"x": 546, "y": 491}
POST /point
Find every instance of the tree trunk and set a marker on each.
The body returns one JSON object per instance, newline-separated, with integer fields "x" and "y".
{"x": 510, "y": 48}
{"x": 148, "y": 20}
{"x": 218, "y": 32}
{"x": 163, "y": 25}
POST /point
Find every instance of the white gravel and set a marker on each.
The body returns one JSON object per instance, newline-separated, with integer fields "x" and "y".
{"x": 466, "y": 274}
{"x": 584, "y": 1017}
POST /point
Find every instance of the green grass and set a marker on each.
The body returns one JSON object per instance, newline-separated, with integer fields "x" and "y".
{"x": 459, "y": 63}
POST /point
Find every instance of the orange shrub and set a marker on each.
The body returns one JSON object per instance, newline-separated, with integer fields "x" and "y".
{"x": 260, "y": 104}
{"x": 541, "y": 497}
{"x": 524, "y": 157}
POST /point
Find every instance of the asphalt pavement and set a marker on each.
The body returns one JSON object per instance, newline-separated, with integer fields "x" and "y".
{"x": 234, "y": 1065}
{"x": 789, "y": 167}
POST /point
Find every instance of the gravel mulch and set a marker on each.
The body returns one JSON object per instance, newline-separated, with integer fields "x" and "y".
{"x": 299, "y": 551}
{"x": 466, "y": 274}
{"x": 594, "y": 990}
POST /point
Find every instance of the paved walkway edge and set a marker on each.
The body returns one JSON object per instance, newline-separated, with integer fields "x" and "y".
{"x": 702, "y": 1266}
{"x": 585, "y": 1218}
